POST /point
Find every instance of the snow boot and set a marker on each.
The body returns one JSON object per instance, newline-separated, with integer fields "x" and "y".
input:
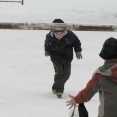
{"x": 59, "y": 94}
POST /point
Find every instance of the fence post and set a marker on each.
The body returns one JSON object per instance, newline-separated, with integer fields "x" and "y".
{"x": 22, "y": 2}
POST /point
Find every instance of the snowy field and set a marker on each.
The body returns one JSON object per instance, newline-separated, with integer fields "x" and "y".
{"x": 75, "y": 11}
{"x": 26, "y": 75}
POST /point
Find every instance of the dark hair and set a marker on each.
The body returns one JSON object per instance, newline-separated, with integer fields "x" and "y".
{"x": 109, "y": 49}
{"x": 58, "y": 21}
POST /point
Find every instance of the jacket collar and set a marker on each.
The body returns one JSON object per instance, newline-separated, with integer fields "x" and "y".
{"x": 52, "y": 33}
{"x": 111, "y": 61}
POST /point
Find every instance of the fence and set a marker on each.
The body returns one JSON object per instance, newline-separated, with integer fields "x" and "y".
{"x": 57, "y": 26}
{"x": 22, "y": 1}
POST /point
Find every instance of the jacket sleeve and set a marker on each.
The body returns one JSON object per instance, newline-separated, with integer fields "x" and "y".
{"x": 77, "y": 44}
{"x": 92, "y": 87}
{"x": 47, "y": 45}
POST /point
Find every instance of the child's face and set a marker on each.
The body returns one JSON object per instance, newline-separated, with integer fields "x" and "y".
{"x": 59, "y": 35}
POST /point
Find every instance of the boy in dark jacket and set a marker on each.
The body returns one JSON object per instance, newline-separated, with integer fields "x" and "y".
{"x": 104, "y": 81}
{"x": 59, "y": 46}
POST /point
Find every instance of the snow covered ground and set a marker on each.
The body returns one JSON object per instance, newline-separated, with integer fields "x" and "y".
{"x": 75, "y": 11}
{"x": 26, "y": 75}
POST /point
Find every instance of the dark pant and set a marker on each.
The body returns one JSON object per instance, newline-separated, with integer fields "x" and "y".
{"x": 82, "y": 110}
{"x": 62, "y": 74}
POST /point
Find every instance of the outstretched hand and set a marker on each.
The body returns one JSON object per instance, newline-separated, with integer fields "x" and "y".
{"x": 71, "y": 102}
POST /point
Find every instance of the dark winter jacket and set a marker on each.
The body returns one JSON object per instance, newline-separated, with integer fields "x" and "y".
{"x": 104, "y": 81}
{"x": 62, "y": 50}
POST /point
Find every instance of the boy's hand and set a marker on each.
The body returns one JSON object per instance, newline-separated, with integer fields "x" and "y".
{"x": 78, "y": 55}
{"x": 71, "y": 102}
{"x": 46, "y": 54}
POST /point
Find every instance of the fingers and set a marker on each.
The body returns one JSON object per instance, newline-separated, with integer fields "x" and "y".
{"x": 71, "y": 102}
{"x": 70, "y": 106}
{"x": 74, "y": 108}
{"x": 79, "y": 56}
{"x": 71, "y": 96}
{"x": 68, "y": 101}
{"x": 46, "y": 54}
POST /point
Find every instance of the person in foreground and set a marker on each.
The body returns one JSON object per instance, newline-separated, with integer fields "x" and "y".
{"x": 59, "y": 45}
{"x": 104, "y": 81}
